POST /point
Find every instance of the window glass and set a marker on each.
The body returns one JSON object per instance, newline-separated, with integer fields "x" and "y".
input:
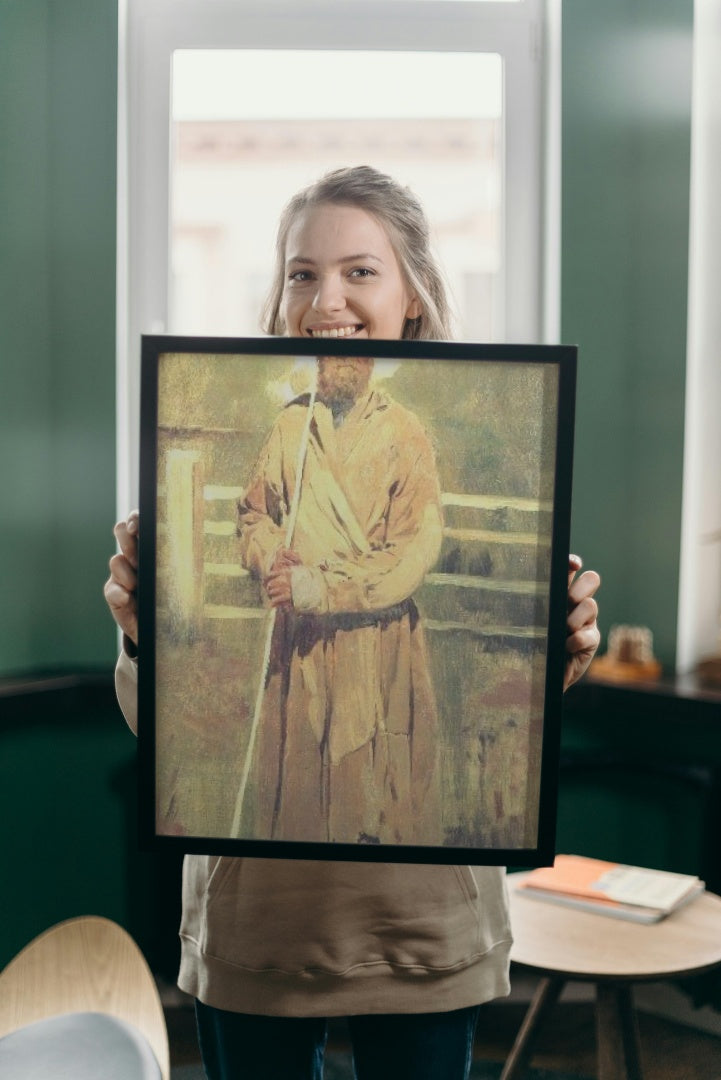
{"x": 251, "y": 127}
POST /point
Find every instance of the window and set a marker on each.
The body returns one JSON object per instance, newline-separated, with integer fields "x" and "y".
{"x": 228, "y": 104}
{"x": 236, "y": 159}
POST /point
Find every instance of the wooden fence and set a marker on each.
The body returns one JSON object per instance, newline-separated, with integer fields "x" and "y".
{"x": 491, "y": 579}
{"x": 484, "y": 609}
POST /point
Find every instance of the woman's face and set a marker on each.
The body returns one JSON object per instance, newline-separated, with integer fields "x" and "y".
{"x": 342, "y": 277}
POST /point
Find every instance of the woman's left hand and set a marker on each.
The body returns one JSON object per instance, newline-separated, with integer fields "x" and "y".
{"x": 583, "y": 635}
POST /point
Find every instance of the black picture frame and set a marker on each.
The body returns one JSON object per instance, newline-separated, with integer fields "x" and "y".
{"x": 364, "y": 724}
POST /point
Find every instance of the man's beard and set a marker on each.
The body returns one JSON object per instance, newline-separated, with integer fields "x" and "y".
{"x": 340, "y": 387}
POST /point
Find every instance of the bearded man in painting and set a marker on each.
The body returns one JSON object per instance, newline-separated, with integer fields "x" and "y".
{"x": 347, "y": 737}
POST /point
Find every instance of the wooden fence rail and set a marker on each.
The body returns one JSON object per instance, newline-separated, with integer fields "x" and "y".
{"x": 200, "y": 576}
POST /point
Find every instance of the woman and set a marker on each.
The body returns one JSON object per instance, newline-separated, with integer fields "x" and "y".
{"x": 349, "y": 698}
{"x": 271, "y": 948}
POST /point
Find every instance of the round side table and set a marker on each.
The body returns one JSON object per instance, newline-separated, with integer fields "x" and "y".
{"x": 563, "y": 944}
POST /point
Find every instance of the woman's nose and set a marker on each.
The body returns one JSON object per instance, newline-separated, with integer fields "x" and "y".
{"x": 329, "y": 296}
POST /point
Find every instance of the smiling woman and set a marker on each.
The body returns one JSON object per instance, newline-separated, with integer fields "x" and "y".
{"x": 366, "y": 529}
{"x": 353, "y": 258}
{"x": 338, "y": 293}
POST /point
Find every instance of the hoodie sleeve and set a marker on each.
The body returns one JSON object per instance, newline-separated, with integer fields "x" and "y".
{"x": 126, "y": 688}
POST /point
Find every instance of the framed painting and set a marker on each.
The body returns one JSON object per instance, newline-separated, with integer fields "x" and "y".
{"x": 352, "y": 597}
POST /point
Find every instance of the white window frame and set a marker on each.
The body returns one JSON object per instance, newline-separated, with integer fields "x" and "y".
{"x": 699, "y": 597}
{"x": 526, "y": 34}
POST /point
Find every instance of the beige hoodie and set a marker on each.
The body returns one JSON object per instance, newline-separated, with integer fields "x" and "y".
{"x": 299, "y": 938}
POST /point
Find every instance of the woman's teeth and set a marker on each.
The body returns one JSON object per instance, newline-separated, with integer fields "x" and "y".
{"x": 335, "y": 332}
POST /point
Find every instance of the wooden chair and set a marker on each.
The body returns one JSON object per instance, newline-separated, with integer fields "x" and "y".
{"x": 74, "y": 983}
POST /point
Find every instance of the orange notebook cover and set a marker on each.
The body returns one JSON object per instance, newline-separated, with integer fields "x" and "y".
{"x": 612, "y": 883}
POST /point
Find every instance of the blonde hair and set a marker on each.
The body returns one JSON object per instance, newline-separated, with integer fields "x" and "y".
{"x": 400, "y": 212}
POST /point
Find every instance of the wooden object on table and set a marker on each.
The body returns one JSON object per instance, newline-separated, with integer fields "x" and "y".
{"x": 565, "y": 945}
{"x": 88, "y": 964}
{"x": 625, "y": 671}
{"x": 708, "y": 671}
{"x": 630, "y": 656}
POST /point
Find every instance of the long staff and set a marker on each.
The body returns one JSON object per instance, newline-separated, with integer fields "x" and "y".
{"x": 289, "y": 530}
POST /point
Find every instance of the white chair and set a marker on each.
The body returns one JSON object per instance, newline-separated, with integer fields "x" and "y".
{"x": 80, "y": 1002}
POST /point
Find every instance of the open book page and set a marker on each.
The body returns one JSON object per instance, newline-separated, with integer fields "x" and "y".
{"x": 652, "y": 888}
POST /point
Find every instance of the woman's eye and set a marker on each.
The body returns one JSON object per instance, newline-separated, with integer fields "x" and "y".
{"x": 362, "y": 272}
{"x": 300, "y": 276}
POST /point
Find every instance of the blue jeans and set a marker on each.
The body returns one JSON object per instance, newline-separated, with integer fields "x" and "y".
{"x": 415, "y": 1046}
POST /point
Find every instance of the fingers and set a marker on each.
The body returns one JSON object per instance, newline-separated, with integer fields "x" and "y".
{"x": 575, "y": 562}
{"x": 120, "y": 601}
{"x": 583, "y": 636}
{"x": 580, "y": 650}
{"x": 278, "y": 584}
{"x": 285, "y": 557}
{"x": 583, "y": 587}
{"x": 582, "y": 607}
{"x": 584, "y": 641}
{"x": 279, "y": 589}
{"x": 121, "y": 587}
{"x": 126, "y": 533}
{"x": 123, "y": 572}
{"x": 123, "y": 607}
{"x": 582, "y": 613}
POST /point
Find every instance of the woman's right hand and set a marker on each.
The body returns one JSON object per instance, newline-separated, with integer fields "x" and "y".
{"x": 121, "y": 587}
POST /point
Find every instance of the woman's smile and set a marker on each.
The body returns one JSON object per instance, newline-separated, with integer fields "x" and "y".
{"x": 343, "y": 279}
{"x": 334, "y": 331}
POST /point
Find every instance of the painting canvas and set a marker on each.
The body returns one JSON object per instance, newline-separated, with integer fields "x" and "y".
{"x": 352, "y": 596}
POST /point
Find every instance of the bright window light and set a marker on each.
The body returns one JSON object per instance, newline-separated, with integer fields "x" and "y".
{"x": 238, "y": 155}
{"x": 219, "y": 84}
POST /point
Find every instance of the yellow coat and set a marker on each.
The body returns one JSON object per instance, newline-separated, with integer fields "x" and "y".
{"x": 347, "y": 739}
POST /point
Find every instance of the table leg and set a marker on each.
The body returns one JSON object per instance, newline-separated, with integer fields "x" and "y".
{"x": 617, "y": 1033}
{"x": 545, "y": 997}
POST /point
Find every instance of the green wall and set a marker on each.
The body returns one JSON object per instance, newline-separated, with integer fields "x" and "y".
{"x": 58, "y": 73}
{"x": 626, "y": 135}
{"x": 67, "y": 761}
{"x": 626, "y": 146}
